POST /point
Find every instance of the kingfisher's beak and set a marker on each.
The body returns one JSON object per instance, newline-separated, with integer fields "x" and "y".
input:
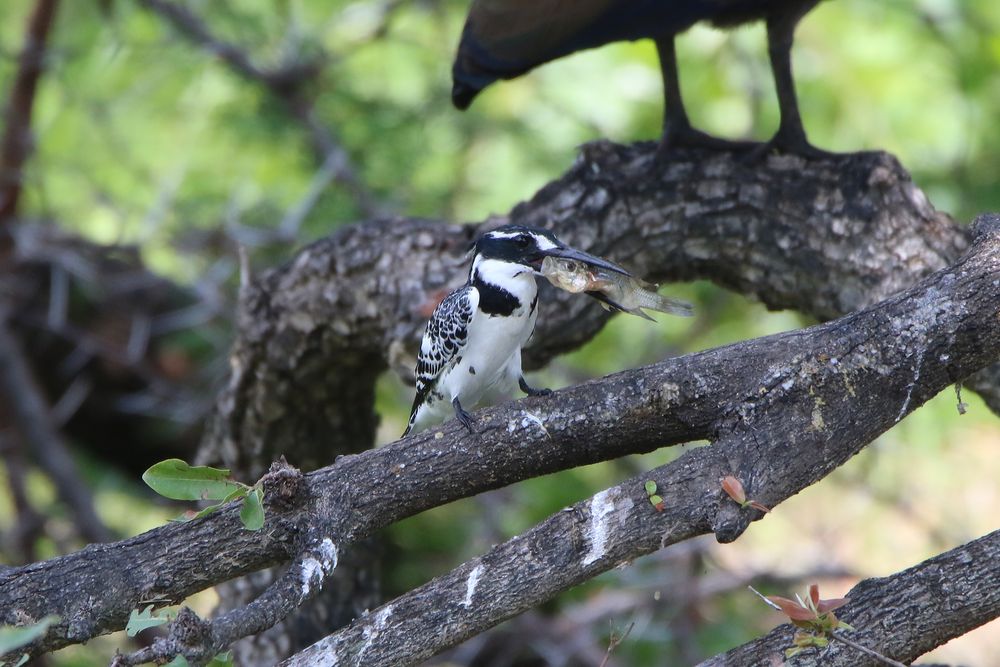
{"x": 565, "y": 252}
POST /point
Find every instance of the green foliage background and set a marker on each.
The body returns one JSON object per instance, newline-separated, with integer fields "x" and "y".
{"x": 143, "y": 138}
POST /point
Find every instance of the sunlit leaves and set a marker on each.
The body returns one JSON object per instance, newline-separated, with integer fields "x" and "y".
{"x": 177, "y": 480}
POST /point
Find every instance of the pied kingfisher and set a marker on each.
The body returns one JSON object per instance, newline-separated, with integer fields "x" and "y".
{"x": 471, "y": 350}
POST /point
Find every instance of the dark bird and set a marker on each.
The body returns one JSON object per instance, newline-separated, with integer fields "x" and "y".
{"x": 504, "y": 39}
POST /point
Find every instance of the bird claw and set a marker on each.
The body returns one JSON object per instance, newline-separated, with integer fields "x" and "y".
{"x": 531, "y": 391}
{"x": 464, "y": 417}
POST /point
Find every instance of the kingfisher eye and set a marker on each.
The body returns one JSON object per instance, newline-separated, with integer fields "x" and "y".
{"x": 523, "y": 240}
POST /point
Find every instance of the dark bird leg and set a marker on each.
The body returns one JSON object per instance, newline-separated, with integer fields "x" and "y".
{"x": 531, "y": 391}
{"x": 463, "y": 416}
{"x": 677, "y": 130}
{"x": 790, "y": 137}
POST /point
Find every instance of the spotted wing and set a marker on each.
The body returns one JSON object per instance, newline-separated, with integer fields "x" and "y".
{"x": 444, "y": 339}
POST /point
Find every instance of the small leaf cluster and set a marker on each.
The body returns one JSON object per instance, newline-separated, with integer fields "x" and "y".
{"x": 655, "y": 500}
{"x": 734, "y": 489}
{"x": 177, "y": 480}
{"x": 147, "y": 618}
{"x": 813, "y": 616}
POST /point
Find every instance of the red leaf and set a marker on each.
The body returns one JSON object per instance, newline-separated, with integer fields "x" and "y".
{"x": 758, "y": 506}
{"x": 792, "y": 609}
{"x": 824, "y": 606}
{"x": 814, "y": 594}
{"x": 734, "y": 489}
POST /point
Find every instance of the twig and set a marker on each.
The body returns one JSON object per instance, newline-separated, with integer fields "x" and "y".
{"x": 614, "y": 641}
{"x": 16, "y": 144}
{"x": 867, "y": 651}
{"x": 34, "y": 421}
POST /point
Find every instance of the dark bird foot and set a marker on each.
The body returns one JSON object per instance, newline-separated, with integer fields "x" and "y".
{"x": 463, "y": 416}
{"x": 531, "y": 391}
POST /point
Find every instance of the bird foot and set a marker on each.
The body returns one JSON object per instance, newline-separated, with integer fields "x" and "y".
{"x": 463, "y": 416}
{"x": 531, "y": 391}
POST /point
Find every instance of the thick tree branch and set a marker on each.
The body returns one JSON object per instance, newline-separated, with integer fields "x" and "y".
{"x": 16, "y": 143}
{"x": 901, "y": 616}
{"x": 799, "y": 418}
{"x": 823, "y": 236}
{"x": 827, "y": 238}
{"x": 783, "y": 411}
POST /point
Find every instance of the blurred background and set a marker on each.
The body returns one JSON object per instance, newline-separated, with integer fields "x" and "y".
{"x": 177, "y": 131}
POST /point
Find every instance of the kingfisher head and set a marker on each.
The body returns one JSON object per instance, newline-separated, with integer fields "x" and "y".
{"x": 526, "y": 247}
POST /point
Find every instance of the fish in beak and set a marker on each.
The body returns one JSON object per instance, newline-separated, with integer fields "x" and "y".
{"x": 565, "y": 252}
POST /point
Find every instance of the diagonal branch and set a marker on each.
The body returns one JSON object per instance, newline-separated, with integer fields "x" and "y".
{"x": 782, "y": 411}
{"x": 802, "y": 417}
{"x": 902, "y": 616}
{"x": 824, "y": 237}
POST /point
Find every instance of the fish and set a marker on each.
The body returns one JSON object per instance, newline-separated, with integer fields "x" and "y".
{"x": 616, "y": 291}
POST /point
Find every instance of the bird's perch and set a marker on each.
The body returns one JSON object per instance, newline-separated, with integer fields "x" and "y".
{"x": 757, "y": 401}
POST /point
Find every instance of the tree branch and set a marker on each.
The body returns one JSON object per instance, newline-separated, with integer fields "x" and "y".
{"x": 798, "y": 419}
{"x": 902, "y": 616}
{"x": 782, "y": 411}
{"x": 823, "y": 236}
{"x": 16, "y": 143}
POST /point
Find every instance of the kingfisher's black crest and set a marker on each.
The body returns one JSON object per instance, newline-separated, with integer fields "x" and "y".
{"x": 516, "y": 243}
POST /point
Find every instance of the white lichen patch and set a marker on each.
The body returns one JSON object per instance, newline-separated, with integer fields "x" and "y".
{"x": 315, "y": 569}
{"x": 312, "y": 574}
{"x": 470, "y": 585}
{"x": 372, "y": 630}
{"x": 602, "y": 509}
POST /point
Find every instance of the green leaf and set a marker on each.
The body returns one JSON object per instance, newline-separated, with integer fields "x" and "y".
{"x": 23, "y": 661}
{"x": 650, "y": 487}
{"x": 177, "y": 480}
{"x": 142, "y": 620}
{"x": 14, "y": 637}
{"x": 222, "y": 660}
{"x": 252, "y": 512}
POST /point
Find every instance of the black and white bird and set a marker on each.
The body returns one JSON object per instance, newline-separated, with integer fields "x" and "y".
{"x": 471, "y": 350}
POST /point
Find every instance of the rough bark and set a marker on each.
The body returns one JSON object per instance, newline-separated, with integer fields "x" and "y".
{"x": 824, "y": 237}
{"x": 781, "y": 411}
{"x": 902, "y": 616}
{"x": 803, "y": 407}
{"x": 314, "y": 334}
